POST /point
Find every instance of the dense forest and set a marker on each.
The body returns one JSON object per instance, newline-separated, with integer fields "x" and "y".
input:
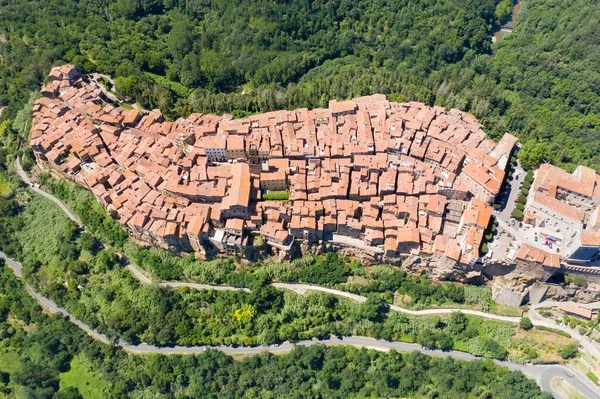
{"x": 251, "y": 56}
{"x": 39, "y": 352}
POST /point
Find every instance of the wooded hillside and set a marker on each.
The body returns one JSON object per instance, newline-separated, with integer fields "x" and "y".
{"x": 252, "y": 56}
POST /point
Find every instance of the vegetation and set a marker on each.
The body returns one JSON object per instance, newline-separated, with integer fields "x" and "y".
{"x": 517, "y": 213}
{"x": 580, "y": 281}
{"x": 246, "y": 57}
{"x": 568, "y": 351}
{"x": 83, "y": 378}
{"x": 272, "y": 195}
{"x": 538, "y": 345}
{"x": 554, "y": 330}
{"x": 46, "y": 352}
{"x": 525, "y": 323}
{"x": 70, "y": 267}
{"x": 593, "y": 377}
{"x": 91, "y": 214}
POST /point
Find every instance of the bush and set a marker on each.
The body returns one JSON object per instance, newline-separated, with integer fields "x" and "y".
{"x": 580, "y": 281}
{"x": 517, "y": 214}
{"x": 525, "y": 323}
{"x": 530, "y": 353}
{"x": 276, "y": 195}
{"x": 484, "y": 248}
{"x": 529, "y": 177}
{"x": 526, "y": 185}
{"x": 520, "y": 207}
{"x": 568, "y": 351}
{"x": 522, "y": 199}
{"x": 481, "y": 295}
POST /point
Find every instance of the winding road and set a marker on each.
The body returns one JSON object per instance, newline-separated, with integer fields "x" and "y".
{"x": 41, "y": 192}
{"x": 542, "y": 374}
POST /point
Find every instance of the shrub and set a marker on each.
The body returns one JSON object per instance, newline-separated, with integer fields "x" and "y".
{"x": 568, "y": 351}
{"x": 520, "y": 207}
{"x": 525, "y": 323}
{"x": 580, "y": 281}
{"x": 484, "y": 248}
{"x": 517, "y": 214}
{"x": 554, "y": 330}
{"x": 481, "y": 295}
{"x": 276, "y": 195}
{"x": 530, "y": 353}
{"x": 522, "y": 199}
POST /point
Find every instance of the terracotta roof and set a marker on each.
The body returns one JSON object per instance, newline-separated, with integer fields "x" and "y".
{"x": 532, "y": 254}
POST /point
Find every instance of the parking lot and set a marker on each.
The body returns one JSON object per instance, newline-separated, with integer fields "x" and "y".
{"x": 508, "y": 234}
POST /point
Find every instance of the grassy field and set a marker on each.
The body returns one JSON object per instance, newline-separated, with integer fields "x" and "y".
{"x": 545, "y": 343}
{"x": 4, "y": 186}
{"x": 9, "y": 362}
{"x": 177, "y": 87}
{"x": 89, "y": 383}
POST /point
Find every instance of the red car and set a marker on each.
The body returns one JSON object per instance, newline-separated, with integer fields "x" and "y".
{"x": 516, "y": 201}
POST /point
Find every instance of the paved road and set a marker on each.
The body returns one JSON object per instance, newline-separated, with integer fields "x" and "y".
{"x": 513, "y": 193}
{"x": 138, "y": 274}
{"x": 542, "y": 374}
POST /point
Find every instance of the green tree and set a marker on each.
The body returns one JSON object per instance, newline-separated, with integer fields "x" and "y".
{"x": 568, "y": 351}
{"x": 532, "y": 153}
{"x": 525, "y": 323}
{"x": 517, "y": 214}
{"x": 426, "y": 338}
{"x": 68, "y": 393}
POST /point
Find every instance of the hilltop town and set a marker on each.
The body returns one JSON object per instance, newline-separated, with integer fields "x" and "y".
{"x": 391, "y": 179}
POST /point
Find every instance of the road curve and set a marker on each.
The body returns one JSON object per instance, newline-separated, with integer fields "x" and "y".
{"x": 542, "y": 374}
{"x": 52, "y": 198}
{"x": 138, "y": 274}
